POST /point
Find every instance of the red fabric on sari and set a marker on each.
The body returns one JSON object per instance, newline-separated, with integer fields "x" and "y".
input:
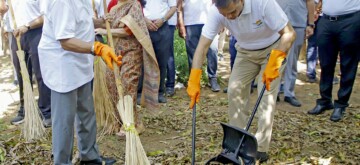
{"x": 112, "y": 4}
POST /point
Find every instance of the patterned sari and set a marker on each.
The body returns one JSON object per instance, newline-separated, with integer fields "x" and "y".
{"x": 137, "y": 51}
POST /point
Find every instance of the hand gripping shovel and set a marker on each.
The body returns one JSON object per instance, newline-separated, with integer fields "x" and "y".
{"x": 239, "y": 146}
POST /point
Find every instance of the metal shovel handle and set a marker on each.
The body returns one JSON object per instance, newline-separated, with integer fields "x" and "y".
{"x": 193, "y": 135}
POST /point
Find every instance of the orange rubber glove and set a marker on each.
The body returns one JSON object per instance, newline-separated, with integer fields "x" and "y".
{"x": 193, "y": 88}
{"x": 107, "y": 54}
{"x": 271, "y": 71}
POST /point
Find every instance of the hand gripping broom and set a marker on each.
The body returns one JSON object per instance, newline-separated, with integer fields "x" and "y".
{"x": 104, "y": 107}
{"x": 33, "y": 126}
{"x": 135, "y": 153}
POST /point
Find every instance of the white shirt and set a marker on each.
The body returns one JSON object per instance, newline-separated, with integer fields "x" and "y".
{"x": 337, "y": 7}
{"x": 256, "y": 28}
{"x": 195, "y": 11}
{"x": 7, "y": 26}
{"x": 62, "y": 70}
{"x": 25, "y": 11}
{"x": 157, "y": 9}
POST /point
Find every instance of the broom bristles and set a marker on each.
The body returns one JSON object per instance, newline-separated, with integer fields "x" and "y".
{"x": 135, "y": 153}
{"x": 104, "y": 107}
{"x": 33, "y": 127}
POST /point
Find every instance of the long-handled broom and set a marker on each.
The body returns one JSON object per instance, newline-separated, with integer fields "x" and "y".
{"x": 33, "y": 126}
{"x": 104, "y": 107}
{"x": 135, "y": 153}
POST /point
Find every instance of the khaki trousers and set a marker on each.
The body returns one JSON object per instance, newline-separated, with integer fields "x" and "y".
{"x": 248, "y": 64}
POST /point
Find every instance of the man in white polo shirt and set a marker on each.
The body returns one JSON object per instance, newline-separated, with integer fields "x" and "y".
{"x": 65, "y": 53}
{"x": 260, "y": 28}
{"x": 338, "y": 31}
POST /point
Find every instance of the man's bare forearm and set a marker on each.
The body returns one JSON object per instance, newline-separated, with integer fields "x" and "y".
{"x": 287, "y": 38}
{"x": 36, "y": 23}
{"x": 170, "y": 13}
{"x": 200, "y": 52}
{"x": 310, "y": 4}
{"x": 76, "y": 45}
{"x": 179, "y": 11}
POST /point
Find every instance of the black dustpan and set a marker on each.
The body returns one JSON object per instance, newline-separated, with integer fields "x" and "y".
{"x": 239, "y": 146}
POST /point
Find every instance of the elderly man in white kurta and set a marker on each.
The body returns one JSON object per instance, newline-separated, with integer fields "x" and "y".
{"x": 66, "y": 60}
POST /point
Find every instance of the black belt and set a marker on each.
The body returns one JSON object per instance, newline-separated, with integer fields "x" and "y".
{"x": 340, "y": 17}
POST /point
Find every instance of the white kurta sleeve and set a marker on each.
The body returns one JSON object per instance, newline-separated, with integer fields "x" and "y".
{"x": 63, "y": 19}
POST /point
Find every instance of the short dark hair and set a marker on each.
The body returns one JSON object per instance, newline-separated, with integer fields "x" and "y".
{"x": 223, "y": 3}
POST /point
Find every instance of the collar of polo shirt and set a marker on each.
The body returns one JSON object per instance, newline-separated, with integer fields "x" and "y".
{"x": 247, "y": 7}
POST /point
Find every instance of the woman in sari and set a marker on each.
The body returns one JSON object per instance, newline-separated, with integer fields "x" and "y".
{"x": 132, "y": 41}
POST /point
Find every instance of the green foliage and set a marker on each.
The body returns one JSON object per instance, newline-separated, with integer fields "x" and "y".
{"x": 181, "y": 62}
{"x": 2, "y": 154}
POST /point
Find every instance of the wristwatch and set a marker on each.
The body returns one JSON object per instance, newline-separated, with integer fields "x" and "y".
{"x": 311, "y": 25}
{"x": 163, "y": 19}
{"x": 92, "y": 50}
{"x": 27, "y": 26}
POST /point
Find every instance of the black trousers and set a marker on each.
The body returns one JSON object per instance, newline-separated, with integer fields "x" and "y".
{"x": 29, "y": 43}
{"x": 161, "y": 41}
{"x": 338, "y": 36}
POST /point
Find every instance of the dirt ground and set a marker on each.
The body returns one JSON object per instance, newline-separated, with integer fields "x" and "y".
{"x": 297, "y": 138}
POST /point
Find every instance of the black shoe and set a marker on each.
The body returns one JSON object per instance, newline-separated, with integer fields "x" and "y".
{"x": 278, "y": 98}
{"x": 225, "y": 90}
{"x": 292, "y": 101}
{"x": 170, "y": 92}
{"x": 262, "y": 156}
{"x": 281, "y": 89}
{"x": 319, "y": 109}
{"x": 337, "y": 114}
{"x": 47, "y": 123}
{"x": 215, "y": 87}
{"x": 100, "y": 161}
{"x": 162, "y": 99}
{"x": 17, "y": 120}
{"x": 311, "y": 80}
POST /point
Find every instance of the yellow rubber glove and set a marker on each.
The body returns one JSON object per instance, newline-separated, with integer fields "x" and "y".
{"x": 272, "y": 68}
{"x": 107, "y": 54}
{"x": 193, "y": 88}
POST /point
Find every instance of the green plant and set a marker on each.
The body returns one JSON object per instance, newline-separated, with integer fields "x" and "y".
{"x": 181, "y": 62}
